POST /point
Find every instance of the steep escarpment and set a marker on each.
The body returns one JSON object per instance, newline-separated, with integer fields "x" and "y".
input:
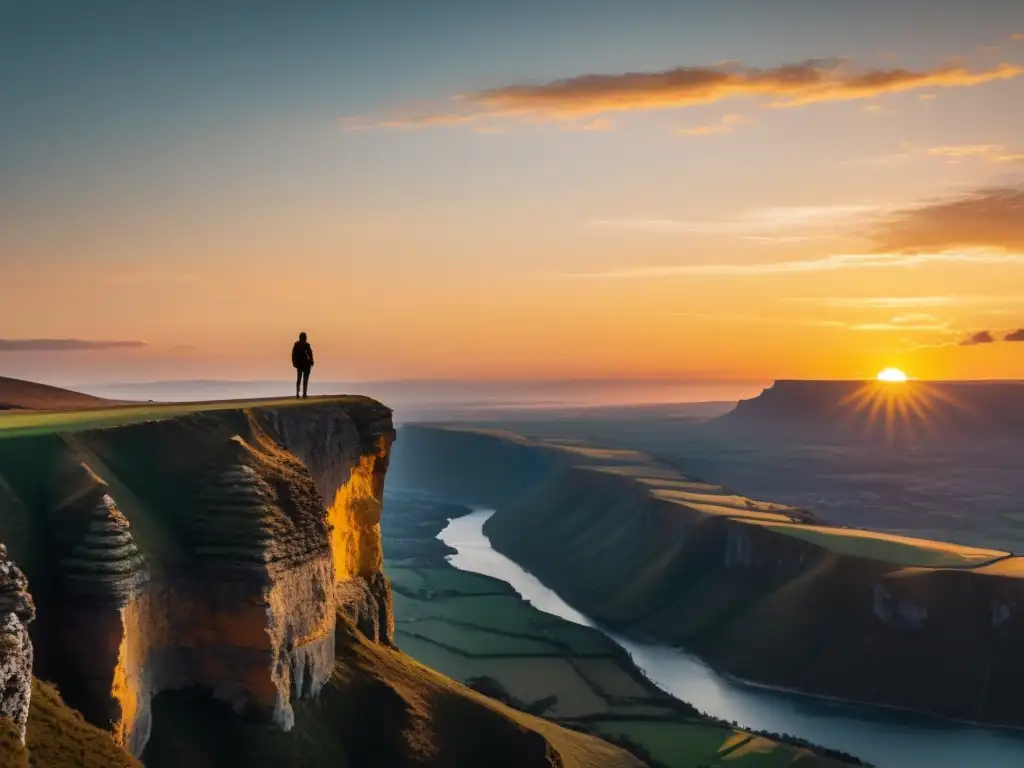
{"x": 471, "y": 466}
{"x": 229, "y": 558}
{"x": 198, "y": 551}
{"x": 912, "y": 409}
{"x": 765, "y": 592}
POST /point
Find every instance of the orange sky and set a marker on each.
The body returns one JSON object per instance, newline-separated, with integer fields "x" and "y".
{"x": 844, "y": 196}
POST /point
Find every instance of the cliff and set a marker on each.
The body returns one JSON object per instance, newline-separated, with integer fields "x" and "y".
{"x": 763, "y": 591}
{"x": 229, "y": 552}
{"x": 919, "y": 409}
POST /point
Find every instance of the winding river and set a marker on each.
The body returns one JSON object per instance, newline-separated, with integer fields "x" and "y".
{"x": 885, "y": 737}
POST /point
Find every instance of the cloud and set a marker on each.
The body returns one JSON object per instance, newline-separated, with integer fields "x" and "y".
{"x": 993, "y": 153}
{"x": 1017, "y": 37}
{"x": 901, "y": 323}
{"x": 1017, "y": 335}
{"x": 760, "y": 222}
{"x": 986, "y": 218}
{"x": 64, "y": 345}
{"x": 727, "y": 124}
{"x": 979, "y": 337}
{"x": 896, "y": 302}
{"x": 825, "y": 264}
{"x": 789, "y": 85}
{"x": 598, "y": 125}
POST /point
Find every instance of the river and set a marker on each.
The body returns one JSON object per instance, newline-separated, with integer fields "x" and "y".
{"x": 884, "y": 737}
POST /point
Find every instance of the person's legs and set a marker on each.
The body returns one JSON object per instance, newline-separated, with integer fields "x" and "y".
{"x": 298, "y": 380}
{"x": 305, "y": 380}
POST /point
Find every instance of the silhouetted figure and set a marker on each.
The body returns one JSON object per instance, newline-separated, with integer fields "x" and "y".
{"x": 302, "y": 359}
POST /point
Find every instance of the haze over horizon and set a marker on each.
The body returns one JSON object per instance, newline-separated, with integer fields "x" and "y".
{"x": 542, "y": 191}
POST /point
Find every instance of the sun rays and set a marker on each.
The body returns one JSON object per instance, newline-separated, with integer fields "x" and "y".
{"x": 900, "y": 407}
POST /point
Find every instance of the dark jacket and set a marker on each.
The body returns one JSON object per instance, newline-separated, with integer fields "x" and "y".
{"x": 302, "y": 355}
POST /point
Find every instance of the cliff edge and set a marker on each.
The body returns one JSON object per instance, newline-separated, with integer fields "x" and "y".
{"x": 229, "y": 553}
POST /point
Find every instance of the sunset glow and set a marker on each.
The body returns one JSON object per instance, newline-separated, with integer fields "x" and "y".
{"x": 442, "y": 193}
{"x": 892, "y": 374}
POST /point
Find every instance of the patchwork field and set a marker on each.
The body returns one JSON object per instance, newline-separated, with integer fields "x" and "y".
{"x": 479, "y": 631}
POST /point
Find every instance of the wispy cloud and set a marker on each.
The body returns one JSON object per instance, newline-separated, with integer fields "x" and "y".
{"x": 825, "y": 264}
{"x": 64, "y": 345}
{"x": 727, "y": 124}
{"x": 757, "y": 223}
{"x": 897, "y": 302}
{"x": 901, "y": 323}
{"x": 789, "y": 85}
{"x": 986, "y": 218}
{"x": 597, "y": 125}
{"x": 993, "y": 153}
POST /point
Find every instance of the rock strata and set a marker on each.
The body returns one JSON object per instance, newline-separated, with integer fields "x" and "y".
{"x": 16, "y": 611}
{"x": 211, "y": 552}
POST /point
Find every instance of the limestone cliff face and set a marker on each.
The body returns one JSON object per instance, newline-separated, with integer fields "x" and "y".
{"x": 348, "y": 465}
{"x": 16, "y": 611}
{"x": 210, "y": 551}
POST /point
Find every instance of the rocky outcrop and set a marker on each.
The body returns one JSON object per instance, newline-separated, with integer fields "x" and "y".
{"x": 211, "y": 551}
{"x": 214, "y": 581}
{"x": 354, "y": 492}
{"x": 16, "y": 611}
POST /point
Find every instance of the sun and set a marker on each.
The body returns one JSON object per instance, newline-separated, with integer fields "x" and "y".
{"x": 892, "y": 374}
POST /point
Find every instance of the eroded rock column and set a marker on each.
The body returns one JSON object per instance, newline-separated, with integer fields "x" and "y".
{"x": 16, "y": 611}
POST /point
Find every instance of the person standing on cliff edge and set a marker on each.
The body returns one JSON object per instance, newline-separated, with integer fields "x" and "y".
{"x": 302, "y": 359}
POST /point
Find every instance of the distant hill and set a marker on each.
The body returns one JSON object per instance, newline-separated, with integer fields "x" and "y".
{"x": 16, "y": 394}
{"x": 869, "y": 408}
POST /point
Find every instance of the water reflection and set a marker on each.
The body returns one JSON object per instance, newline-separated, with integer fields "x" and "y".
{"x": 887, "y": 738}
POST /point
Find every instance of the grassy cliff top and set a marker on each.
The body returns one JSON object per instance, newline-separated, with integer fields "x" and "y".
{"x": 668, "y": 484}
{"x": 901, "y": 550}
{"x": 22, "y": 423}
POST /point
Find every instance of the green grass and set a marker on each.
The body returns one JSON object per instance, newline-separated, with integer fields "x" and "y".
{"x": 477, "y": 641}
{"x": 898, "y": 550}
{"x": 676, "y": 745}
{"x": 15, "y": 424}
{"x": 448, "y": 580}
{"x": 406, "y": 579}
{"x": 508, "y": 614}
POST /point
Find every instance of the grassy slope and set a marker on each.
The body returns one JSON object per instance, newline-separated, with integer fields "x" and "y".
{"x": 18, "y": 394}
{"x": 380, "y": 708}
{"x": 58, "y": 737}
{"x": 24, "y": 424}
